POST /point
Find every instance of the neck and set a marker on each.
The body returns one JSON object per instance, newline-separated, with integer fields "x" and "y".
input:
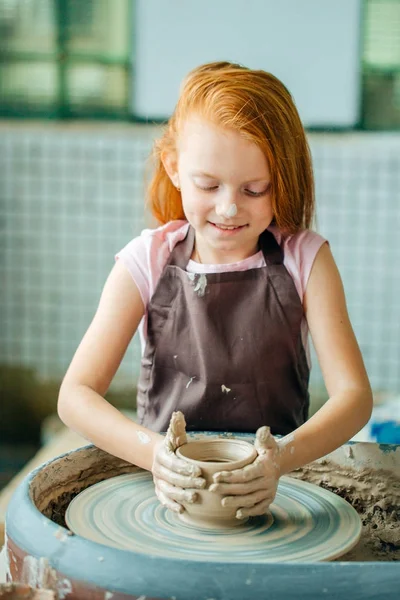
{"x": 204, "y": 255}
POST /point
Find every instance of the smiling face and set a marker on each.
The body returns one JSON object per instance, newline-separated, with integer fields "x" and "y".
{"x": 225, "y": 186}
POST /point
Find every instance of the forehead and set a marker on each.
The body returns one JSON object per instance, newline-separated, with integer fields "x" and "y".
{"x": 214, "y": 149}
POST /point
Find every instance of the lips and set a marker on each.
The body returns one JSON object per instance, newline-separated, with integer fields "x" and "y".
{"x": 227, "y": 227}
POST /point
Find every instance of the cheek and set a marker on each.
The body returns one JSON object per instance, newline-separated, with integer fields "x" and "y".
{"x": 195, "y": 204}
{"x": 265, "y": 209}
{"x": 189, "y": 208}
{"x": 263, "y": 214}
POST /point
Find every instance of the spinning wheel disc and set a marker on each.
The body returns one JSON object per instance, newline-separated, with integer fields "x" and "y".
{"x": 306, "y": 523}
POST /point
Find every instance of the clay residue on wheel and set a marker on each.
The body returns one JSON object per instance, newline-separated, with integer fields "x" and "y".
{"x": 56, "y": 484}
{"x": 375, "y": 494}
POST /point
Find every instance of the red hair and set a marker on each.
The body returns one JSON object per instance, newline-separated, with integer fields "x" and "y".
{"x": 258, "y": 105}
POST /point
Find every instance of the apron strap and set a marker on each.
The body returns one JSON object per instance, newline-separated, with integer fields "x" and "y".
{"x": 273, "y": 253}
{"x": 182, "y": 252}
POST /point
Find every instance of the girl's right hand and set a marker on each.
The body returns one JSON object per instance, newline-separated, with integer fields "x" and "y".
{"x": 174, "y": 478}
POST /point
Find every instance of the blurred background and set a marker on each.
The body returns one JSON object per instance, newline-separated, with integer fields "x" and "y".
{"x": 84, "y": 87}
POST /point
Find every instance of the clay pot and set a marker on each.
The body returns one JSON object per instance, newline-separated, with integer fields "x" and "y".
{"x": 213, "y": 456}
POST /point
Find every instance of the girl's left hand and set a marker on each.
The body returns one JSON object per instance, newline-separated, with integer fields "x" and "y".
{"x": 253, "y": 488}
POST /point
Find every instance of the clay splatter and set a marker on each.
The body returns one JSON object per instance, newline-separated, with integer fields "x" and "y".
{"x": 286, "y": 440}
{"x": 37, "y": 572}
{"x": 232, "y": 211}
{"x": 189, "y": 382}
{"x": 200, "y": 282}
{"x": 64, "y": 588}
{"x": 349, "y": 452}
{"x": 62, "y": 534}
{"x": 143, "y": 437}
{"x": 225, "y": 389}
{"x": 8, "y": 555}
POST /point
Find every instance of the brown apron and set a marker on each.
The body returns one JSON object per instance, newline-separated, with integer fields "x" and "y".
{"x": 225, "y": 348}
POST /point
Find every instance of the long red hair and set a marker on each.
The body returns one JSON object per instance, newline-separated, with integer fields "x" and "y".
{"x": 259, "y": 106}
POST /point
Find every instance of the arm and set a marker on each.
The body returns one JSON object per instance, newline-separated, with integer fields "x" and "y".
{"x": 82, "y": 407}
{"x": 81, "y": 404}
{"x": 252, "y": 489}
{"x": 350, "y": 398}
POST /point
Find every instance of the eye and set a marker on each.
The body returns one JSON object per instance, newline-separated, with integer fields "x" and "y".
{"x": 256, "y": 194}
{"x": 210, "y": 188}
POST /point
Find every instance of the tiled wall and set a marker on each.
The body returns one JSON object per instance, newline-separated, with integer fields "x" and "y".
{"x": 70, "y": 197}
{"x": 358, "y": 208}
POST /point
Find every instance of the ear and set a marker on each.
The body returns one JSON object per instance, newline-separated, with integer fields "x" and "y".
{"x": 170, "y": 162}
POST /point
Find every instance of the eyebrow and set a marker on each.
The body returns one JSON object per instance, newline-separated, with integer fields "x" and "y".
{"x": 203, "y": 174}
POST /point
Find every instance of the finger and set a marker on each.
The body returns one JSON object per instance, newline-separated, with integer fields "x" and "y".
{"x": 176, "y": 479}
{"x": 178, "y": 427}
{"x": 178, "y": 465}
{"x": 175, "y": 493}
{"x": 264, "y": 440}
{"x": 247, "y": 500}
{"x": 165, "y": 501}
{"x": 176, "y": 433}
{"x": 252, "y": 471}
{"x": 247, "y": 487}
{"x": 254, "y": 511}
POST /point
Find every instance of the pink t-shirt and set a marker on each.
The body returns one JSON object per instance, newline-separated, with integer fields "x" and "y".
{"x": 146, "y": 256}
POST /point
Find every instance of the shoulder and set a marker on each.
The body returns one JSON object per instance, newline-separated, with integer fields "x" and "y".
{"x": 303, "y": 246}
{"x": 146, "y": 255}
{"x": 160, "y": 240}
{"x": 168, "y": 235}
{"x": 300, "y": 251}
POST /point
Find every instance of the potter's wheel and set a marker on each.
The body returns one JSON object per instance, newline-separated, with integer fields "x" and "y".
{"x": 306, "y": 523}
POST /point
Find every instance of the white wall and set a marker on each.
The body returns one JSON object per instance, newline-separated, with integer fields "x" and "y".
{"x": 312, "y": 45}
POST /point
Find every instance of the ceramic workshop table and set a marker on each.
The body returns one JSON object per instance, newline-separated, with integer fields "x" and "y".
{"x": 81, "y": 569}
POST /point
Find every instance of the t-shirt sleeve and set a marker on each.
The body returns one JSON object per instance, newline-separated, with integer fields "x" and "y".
{"x": 302, "y": 248}
{"x": 135, "y": 257}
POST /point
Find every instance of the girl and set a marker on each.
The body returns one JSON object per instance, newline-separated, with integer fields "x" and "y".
{"x": 224, "y": 294}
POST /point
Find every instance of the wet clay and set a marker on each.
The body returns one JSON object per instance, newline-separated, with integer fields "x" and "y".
{"x": 375, "y": 494}
{"x": 208, "y": 455}
{"x": 60, "y": 481}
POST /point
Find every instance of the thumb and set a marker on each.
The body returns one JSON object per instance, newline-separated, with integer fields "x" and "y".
{"x": 264, "y": 440}
{"x": 176, "y": 433}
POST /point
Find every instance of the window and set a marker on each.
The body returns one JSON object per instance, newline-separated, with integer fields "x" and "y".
{"x": 381, "y": 65}
{"x": 73, "y": 58}
{"x": 65, "y": 58}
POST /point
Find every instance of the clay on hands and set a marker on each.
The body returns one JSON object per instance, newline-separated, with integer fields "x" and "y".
{"x": 253, "y": 488}
{"x": 174, "y": 478}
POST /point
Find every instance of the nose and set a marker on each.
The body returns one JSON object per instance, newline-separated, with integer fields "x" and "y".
{"x": 226, "y": 206}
